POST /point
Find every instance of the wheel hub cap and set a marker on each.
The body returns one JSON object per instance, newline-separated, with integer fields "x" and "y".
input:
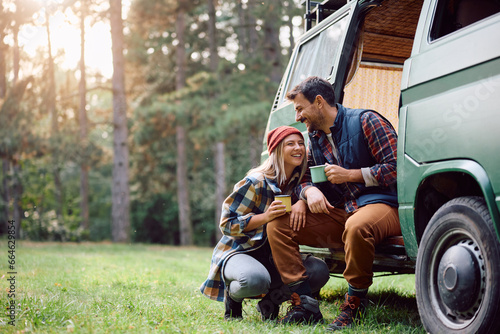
{"x": 450, "y": 277}
{"x": 459, "y": 278}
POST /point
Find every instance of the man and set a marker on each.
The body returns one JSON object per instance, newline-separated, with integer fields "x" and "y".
{"x": 356, "y": 208}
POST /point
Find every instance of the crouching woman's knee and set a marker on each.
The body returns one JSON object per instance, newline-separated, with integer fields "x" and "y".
{"x": 246, "y": 277}
{"x": 255, "y": 283}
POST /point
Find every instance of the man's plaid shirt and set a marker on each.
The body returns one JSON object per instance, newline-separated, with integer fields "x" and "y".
{"x": 382, "y": 142}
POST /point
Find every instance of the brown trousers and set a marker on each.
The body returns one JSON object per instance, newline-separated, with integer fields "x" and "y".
{"x": 358, "y": 232}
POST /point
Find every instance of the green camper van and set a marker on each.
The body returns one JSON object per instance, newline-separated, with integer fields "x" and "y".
{"x": 432, "y": 67}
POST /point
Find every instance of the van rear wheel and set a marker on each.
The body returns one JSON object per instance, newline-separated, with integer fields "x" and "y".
{"x": 457, "y": 270}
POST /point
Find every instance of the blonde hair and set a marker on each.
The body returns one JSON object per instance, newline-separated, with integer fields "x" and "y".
{"x": 274, "y": 166}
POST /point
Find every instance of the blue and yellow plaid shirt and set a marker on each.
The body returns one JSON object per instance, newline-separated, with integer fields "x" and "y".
{"x": 251, "y": 196}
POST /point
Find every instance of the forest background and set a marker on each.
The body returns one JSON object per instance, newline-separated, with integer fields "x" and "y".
{"x": 139, "y": 136}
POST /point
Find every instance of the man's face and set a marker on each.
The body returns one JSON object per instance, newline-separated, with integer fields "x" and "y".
{"x": 308, "y": 113}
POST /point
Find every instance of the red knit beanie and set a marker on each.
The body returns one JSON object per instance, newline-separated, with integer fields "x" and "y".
{"x": 274, "y": 137}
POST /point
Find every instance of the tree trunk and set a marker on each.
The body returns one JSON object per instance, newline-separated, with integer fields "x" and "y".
{"x": 15, "y": 49}
{"x": 51, "y": 98}
{"x": 180, "y": 30}
{"x": 120, "y": 214}
{"x": 291, "y": 38}
{"x": 5, "y": 162}
{"x": 186, "y": 228}
{"x": 253, "y": 38}
{"x": 214, "y": 57}
{"x": 272, "y": 48}
{"x": 220, "y": 166}
{"x": 16, "y": 179}
{"x": 185, "y": 224}
{"x": 5, "y": 194}
{"x": 241, "y": 30}
{"x": 17, "y": 193}
{"x": 84, "y": 169}
{"x": 220, "y": 185}
{"x": 14, "y": 188}
{"x": 3, "y": 53}
{"x": 51, "y": 106}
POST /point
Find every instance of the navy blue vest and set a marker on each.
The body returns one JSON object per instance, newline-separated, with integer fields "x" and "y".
{"x": 354, "y": 153}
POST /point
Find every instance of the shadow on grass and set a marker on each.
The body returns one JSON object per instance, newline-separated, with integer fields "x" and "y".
{"x": 386, "y": 307}
{"x": 388, "y": 298}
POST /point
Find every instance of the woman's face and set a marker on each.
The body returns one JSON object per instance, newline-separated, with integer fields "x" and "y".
{"x": 294, "y": 150}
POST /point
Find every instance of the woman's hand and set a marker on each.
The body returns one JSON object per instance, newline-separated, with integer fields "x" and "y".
{"x": 275, "y": 210}
{"x": 298, "y": 215}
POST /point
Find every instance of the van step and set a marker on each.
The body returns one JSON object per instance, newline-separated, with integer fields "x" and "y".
{"x": 390, "y": 256}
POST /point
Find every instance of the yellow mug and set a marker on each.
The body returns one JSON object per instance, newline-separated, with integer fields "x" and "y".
{"x": 286, "y": 200}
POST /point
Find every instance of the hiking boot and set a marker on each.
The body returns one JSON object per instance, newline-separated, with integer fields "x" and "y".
{"x": 302, "y": 309}
{"x": 269, "y": 306}
{"x": 351, "y": 308}
{"x": 268, "y": 310}
{"x": 233, "y": 308}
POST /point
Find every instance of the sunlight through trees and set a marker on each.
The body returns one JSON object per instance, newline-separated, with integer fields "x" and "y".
{"x": 126, "y": 120}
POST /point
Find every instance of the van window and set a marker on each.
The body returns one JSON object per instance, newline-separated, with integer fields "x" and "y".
{"x": 316, "y": 56}
{"x": 452, "y": 15}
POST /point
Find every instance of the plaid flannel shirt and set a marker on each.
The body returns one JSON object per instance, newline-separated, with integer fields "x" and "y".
{"x": 382, "y": 142}
{"x": 251, "y": 196}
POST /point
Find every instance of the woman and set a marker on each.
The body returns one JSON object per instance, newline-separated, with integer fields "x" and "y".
{"x": 242, "y": 266}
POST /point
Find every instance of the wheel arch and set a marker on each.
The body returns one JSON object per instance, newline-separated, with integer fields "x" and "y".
{"x": 445, "y": 181}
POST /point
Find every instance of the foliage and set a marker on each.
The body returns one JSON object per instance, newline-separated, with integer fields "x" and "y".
{"x": 118, "y": 288}
{"x": 16, "y": 136}
{"x": 150, "y": 217}
{"x": 26, "y": 140}
{"x": 238, "y": 112}
{"x": 229, "y": 105}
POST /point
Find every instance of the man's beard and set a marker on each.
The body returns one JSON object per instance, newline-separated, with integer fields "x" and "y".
{"x": 316, "y": 124}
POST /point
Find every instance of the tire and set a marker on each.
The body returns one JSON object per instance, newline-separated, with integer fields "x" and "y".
{"x": 458, "y": 270}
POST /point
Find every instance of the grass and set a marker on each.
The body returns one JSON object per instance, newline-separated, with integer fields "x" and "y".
{"x": 116, "y": 288}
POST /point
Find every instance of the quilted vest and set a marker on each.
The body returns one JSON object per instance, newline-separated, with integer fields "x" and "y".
{"x": 354, "y": 153}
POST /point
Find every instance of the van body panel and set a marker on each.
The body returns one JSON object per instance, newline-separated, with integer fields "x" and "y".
{"x": 444, "y": 126}
{"x": 469, "y": 46}
{"x": 484, "y": 73}
{"x": 450, "y": 110}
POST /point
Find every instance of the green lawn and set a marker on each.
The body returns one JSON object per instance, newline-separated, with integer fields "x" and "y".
{"x": 108, "y": 288}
